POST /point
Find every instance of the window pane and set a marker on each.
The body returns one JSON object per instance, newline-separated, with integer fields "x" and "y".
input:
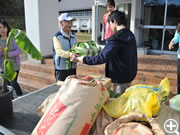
{"x": 154, "y": 12}
{"x": 173, "y": 12}
{"x": 169, "y": 34}
{"x": 152, "y": 38}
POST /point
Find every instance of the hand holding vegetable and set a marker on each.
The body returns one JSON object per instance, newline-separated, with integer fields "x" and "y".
{"x": 80, "y": 59}
{"x": 89, "y": 48}
{"x": 74, "y": 57}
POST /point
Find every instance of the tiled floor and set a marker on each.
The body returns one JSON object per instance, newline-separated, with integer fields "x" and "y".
{"x": 153, "y": 68}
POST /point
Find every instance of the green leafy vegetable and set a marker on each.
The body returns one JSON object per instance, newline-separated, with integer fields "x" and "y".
{"x": 25, "y": 44}
{"x": 113, "y": 95}
{"x": 89, "y": 48}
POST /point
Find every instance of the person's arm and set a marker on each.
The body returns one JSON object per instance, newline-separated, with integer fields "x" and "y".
{"x": 59, "y": 50}
{"x": 16, "y": 50}
{"x": 104, "y": 56}
{"x": 171, "y": 45}
{"x": 174, "y": 40}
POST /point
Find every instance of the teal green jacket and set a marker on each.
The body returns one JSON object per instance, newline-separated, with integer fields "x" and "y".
{"x": 176, "y": 39}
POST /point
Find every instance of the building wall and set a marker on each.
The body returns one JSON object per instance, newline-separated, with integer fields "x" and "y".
{"x": 41, "y": 24}
{"x": 68, "y": 5}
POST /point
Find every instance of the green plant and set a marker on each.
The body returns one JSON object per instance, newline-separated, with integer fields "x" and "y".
{"x": 23, "y": 42}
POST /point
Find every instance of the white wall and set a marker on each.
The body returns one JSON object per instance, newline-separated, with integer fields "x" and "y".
{"x": 68, "y": 5}
{"x": 41, "y": 23}
{"x": 135, "y": 15}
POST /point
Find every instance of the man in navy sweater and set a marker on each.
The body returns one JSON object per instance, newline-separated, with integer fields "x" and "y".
{"x": 119, "y": 54}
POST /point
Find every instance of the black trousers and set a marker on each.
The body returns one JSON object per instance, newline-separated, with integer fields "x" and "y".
{"x": 61, "y": 75}
{"x": 178, "y": 77}
{"x": 15, "y": 85}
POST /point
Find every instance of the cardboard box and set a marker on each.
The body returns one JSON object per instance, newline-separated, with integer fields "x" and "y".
{"x": 105, "y": 80}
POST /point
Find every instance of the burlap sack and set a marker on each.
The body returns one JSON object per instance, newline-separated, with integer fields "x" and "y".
{"x": 43, "y": 107}
{"x": 125, "y": 126}
{"x": 103, "y": 119}
{"x": 74, "y": 109}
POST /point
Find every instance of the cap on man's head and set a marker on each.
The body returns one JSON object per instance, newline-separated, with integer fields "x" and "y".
{"x": 65, "y": 17}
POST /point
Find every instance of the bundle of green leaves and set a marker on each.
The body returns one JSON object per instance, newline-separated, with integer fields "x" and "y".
{"x": 113, "y": 95}
{"x": 89, "y": 48}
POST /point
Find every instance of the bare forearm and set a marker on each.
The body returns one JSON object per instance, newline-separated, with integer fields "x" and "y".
{"x": 171, "y": 45}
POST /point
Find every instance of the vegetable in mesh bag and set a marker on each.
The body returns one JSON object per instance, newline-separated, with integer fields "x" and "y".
{"x": 174, "y": 102}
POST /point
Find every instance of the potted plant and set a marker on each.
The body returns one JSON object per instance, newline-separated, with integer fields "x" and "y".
{"x": 8, "y": 73}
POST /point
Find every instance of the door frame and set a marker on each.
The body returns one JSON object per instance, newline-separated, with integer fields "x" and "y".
{"x": 95, "y": 14}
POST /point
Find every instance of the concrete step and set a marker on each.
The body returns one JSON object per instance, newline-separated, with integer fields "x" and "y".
{"x": 48, "y": 61}
{"x": 33, "y": 76}
{"x": 41, "y": 77}
{"x": 30, "y": 85}
{"x": 46, "y": 68}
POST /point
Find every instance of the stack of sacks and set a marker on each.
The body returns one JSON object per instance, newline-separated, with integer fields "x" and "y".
{"x": 126, "y": 125}
{"x": 74, "y": 108}
{"x": 43, "y": 107}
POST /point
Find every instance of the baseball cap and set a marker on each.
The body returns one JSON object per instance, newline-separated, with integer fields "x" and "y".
{"x": 66, "y": 17}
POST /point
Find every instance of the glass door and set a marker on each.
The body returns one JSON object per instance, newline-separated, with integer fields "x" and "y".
{"x": 159, "y": 20}
{"x": 172, "y": 19}
{"x": 121, "y": 5}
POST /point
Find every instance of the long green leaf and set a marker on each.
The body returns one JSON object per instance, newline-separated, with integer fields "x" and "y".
{"x": 9, "y": 72}
{"x": 25, "y": 44}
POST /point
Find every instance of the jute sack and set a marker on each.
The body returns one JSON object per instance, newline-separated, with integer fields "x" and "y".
{"x": 125, "y": 126}
{"x": 43, "y": 107}
{"x": 74, "y": 108}
{"x": 102, "y": 120}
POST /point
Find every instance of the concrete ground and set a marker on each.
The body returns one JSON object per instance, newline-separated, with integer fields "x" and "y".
{"x": 24, "y": 118}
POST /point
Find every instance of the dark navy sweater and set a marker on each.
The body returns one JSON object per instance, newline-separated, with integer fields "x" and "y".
{"x": 120, "y": 56}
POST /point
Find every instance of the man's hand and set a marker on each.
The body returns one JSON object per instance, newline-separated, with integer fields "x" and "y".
{"x": 80, "y": 59}
{"x": 171, "y": 45}
{"x": 74, "y": 57}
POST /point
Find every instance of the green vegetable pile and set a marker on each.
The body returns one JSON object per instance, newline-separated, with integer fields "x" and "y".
{"x": 89, "y": 48}
{"x": 113, "y": 95}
